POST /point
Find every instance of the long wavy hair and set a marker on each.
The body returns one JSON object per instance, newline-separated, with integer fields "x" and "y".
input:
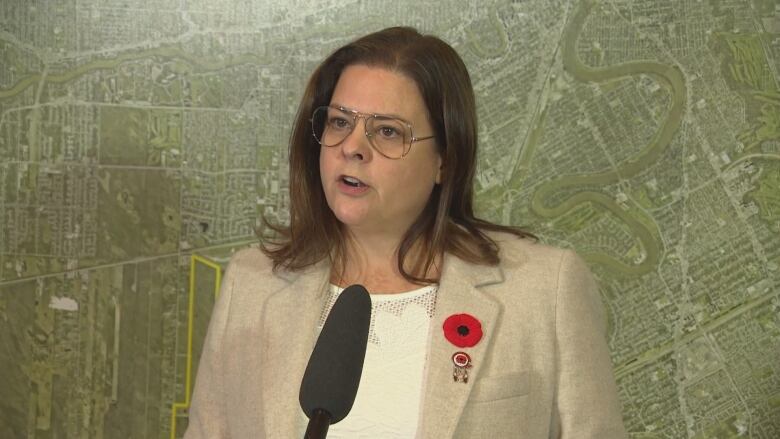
{"x": 447, "y": 223}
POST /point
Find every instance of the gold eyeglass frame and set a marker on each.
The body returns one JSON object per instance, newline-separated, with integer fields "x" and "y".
{"x": 366, "y": 117}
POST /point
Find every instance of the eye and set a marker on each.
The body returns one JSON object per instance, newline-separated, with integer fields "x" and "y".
{"x": 389, "y": 132}
{"x": 338, "y": 123}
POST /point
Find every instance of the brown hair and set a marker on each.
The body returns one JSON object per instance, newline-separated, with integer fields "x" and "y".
{"x": 447, "y": 223}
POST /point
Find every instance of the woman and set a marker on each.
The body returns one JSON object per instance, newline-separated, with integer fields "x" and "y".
{"x": 477, "y": 331}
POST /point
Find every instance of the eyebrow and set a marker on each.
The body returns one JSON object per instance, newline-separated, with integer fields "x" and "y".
{"x": 390, "y": 115}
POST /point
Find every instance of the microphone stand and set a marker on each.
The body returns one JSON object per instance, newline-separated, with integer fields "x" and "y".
{"x": 318, "y": 425}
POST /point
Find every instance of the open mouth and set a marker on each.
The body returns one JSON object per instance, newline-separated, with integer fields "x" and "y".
{"x": 352, "y": 181}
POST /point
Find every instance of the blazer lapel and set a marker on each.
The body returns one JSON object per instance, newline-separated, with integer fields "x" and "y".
{"x": 289, "y": 333}
{"x": 444, "y": 399}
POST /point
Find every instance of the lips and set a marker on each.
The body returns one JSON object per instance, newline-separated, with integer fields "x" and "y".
{"x": 352, "y": 186}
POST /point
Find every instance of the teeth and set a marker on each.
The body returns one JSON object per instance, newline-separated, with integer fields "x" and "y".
{"x": 352, "y": 181}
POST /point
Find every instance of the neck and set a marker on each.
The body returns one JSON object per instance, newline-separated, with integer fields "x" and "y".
{"x": 372, "y": 260}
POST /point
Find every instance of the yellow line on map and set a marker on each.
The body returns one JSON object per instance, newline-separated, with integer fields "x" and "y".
{"x": 184, "y": 405}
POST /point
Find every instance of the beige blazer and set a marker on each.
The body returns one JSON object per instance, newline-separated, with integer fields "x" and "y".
{"x": 541, "y": 370}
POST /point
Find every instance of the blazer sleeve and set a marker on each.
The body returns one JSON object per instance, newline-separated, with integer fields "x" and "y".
{"x": 586, "y": 399}
{"x": 207, "y": 418}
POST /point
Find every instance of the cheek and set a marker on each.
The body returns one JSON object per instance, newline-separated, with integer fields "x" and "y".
{"x": 325, "y": 165}
{"x": 425, "y": 172}
{"x": 323, "y": 159}
{"x": 414, "y": 183}
{"x": 326, "y": 175}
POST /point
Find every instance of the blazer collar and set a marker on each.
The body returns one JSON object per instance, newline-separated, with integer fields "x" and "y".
{"x": 290, "y": 318}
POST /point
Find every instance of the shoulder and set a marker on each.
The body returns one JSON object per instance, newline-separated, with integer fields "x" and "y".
{"x": 248, "y": 261}
{"x": 546, "y": 270}
{"x": 516, "y": 253}
{"x": 250, "y": 258}
{"x": 249, "y": 266}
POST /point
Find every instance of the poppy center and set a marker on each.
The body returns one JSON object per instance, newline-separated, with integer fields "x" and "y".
{"x": 463, "y": 330}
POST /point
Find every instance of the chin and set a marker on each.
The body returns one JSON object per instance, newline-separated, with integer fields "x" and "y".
{"x": 349, "y": 217}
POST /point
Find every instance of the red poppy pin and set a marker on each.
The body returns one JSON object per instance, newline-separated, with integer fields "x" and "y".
{"x": 462, "y": 330}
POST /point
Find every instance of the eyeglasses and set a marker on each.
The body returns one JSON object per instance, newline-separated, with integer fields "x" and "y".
{"x": 390, "y": 136}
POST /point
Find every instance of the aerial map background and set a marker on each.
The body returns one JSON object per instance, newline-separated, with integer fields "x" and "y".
{"x": 140, "y": 141}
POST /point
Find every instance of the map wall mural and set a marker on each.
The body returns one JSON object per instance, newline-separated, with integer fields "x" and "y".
{"x": 141, "y": 140}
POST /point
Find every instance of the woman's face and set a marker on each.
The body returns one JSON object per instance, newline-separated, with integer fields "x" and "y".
{"x": 389, "y": 194}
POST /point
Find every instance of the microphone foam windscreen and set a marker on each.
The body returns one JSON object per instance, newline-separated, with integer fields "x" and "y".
{"x": 333, "y": 374}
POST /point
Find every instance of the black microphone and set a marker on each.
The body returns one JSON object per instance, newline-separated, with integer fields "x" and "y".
{"x": 332, "y": 376}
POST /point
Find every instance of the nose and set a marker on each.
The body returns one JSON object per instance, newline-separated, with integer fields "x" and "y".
{"x": 356, "y": 146}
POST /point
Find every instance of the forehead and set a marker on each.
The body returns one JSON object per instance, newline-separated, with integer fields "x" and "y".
{"x": 379, "y": 90}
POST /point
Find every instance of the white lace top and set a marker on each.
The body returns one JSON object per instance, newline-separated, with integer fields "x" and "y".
{"x": 388, "y": 399}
